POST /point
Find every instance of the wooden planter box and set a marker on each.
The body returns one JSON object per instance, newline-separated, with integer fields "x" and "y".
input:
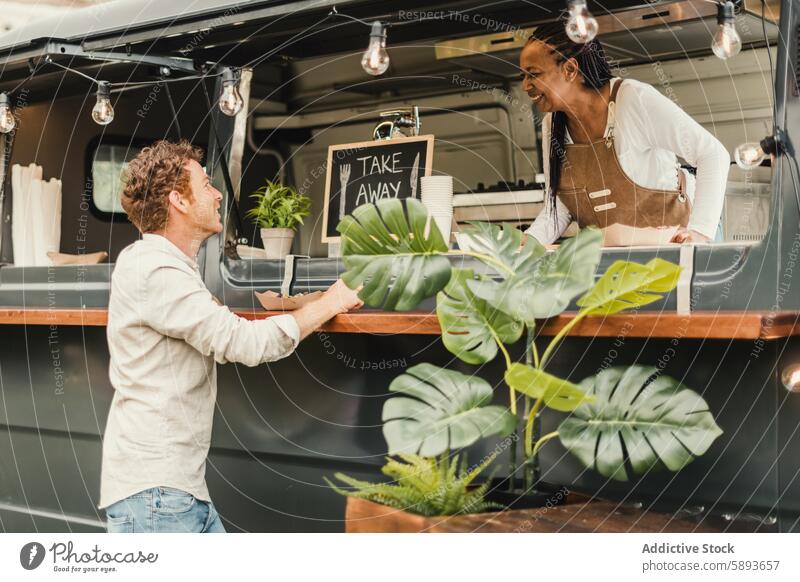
{"x": 362, "y": 516}
{"x": 582, "y": 516}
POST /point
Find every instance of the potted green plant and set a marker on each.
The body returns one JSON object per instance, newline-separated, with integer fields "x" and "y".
{"x": 659, "y": 422}
{"x": 278, "y": 210}
{"x": 423, "y": 429}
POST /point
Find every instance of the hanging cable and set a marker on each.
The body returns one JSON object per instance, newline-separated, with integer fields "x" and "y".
{"x": 174, "y": 113}
{"x": 332, "y": 14}
{"x": 7, "y": 120}
{"x": 233, "y": 206}
{"x": 50, "y": 61}
{"x": 258, "y": 60}
{"x": 8, "y": 140}
{"x": 132, "y": 84}
{"x": 33, "y": 70}
{"x": 335, "y": 12}
{"x": 771, "y": 66}
{"x": 216, "y": 67}
{"x": 750, "y": 155}
{"x": 795, "y": 179}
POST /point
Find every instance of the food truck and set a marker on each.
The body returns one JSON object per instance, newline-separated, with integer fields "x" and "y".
{"x": 728, "y": 329}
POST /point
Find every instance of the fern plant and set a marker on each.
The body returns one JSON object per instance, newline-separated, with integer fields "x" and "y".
{"x": 278, "y": 206}
{"x": 427, "y": 486}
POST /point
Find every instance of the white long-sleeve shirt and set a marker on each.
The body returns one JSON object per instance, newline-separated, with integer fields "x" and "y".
{"x": 650, "y": 132}
{"x": 165, "y": 332}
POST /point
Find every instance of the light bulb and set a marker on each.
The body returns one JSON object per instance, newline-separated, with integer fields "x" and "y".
{"x": 749, "y": 155}
{"x": 230, "y": 102}
{"x": 581, "y": 25}
{"x": 790, "y": 378}
{"x": 727, "y": 43}
{"x": 7, "y": 121}
{"x": 376, "y": 60}
{"x": 103, "y": 112}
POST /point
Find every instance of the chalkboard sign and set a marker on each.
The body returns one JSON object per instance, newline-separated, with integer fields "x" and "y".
{"x": 369, "y": 171}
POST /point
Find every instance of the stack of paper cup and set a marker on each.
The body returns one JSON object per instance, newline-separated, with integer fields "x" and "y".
{"x": 437, "y": 196}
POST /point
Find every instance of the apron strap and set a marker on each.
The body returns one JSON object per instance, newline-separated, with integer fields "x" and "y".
{"x": 612, "y": 106}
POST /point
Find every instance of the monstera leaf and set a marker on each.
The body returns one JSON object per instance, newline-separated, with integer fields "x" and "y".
{"x": 546, "y": 289}
{"x": 626, "y": 285}
{"x": 389, "y": 254}
{"x": 470, "y": 326}
{"x": 440, "y": 410}
{"x": 556, "y": 393}
{"x": 634, "y": 425}
{"x": 507, "y": 246}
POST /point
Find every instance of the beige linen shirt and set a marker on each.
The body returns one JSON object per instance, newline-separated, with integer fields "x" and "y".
{"x": 165, "y": 332}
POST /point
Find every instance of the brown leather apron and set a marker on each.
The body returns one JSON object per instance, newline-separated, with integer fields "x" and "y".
{"x": 598, "y": 192}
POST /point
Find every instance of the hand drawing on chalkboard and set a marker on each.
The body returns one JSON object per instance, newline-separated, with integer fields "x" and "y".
{"x": 344, "y": 176}
{"x": 414, "y": 174}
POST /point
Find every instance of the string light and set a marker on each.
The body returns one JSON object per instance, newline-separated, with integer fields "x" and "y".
{"x": 727, "y": 43}
{"x": 7, "y": 121}
{"x": 581, "y": 25}
{"x": 376, "y": 60}
{"x": 103, "y": 112}
{"x": 230, "y": 102}
{"x": 750, "y": 155}
{"x": 790, "y": 377}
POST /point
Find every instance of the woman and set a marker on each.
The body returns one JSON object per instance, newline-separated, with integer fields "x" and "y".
{"x": 611, "y": 147}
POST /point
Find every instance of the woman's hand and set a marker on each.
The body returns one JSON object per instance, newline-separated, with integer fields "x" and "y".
{"x": 684, "y": 235}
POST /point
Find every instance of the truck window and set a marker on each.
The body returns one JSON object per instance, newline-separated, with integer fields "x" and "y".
{"x": 108, "y": 162}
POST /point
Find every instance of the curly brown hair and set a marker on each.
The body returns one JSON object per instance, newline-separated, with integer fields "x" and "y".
{"x": 151, "y": 176}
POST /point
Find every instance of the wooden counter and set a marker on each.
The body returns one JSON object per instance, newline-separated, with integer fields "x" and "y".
{"x": 585, "y": 517}
{"x": 750, "y": 325}
{"x": 578, "y": 515}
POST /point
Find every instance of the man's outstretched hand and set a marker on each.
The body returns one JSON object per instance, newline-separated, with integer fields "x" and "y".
{"x": 338, "y": 298}
{"x": 342, "y": 298}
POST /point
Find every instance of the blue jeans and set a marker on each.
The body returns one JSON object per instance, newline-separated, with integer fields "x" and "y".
{"x": 163, "y": 510}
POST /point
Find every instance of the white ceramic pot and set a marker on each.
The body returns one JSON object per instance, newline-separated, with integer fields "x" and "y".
{"x": 277, "y": 242}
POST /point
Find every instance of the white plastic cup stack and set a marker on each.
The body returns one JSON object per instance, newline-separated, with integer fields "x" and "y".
{"x": 437, "y": 197}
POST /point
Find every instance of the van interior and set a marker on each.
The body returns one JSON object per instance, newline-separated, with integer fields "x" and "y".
{"x": 313, "y": 93}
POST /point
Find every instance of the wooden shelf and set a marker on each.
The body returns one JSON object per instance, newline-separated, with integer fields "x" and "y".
{"x": 373, "y": 322}
{"x": 699, "y": 325}
{"x": 45, "y": 316}
{"x": 579, "y": 514}
{"x": 582, "y": 517}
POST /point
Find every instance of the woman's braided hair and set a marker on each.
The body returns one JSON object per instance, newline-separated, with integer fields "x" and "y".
{"x": 595, "y": 73}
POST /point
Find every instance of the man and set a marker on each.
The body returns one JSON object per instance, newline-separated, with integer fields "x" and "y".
{"x": 165, "y": 334}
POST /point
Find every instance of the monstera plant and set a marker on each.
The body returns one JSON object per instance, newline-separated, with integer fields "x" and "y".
{"x": 621, "y": 422}
{"x": 435, "y": 412}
